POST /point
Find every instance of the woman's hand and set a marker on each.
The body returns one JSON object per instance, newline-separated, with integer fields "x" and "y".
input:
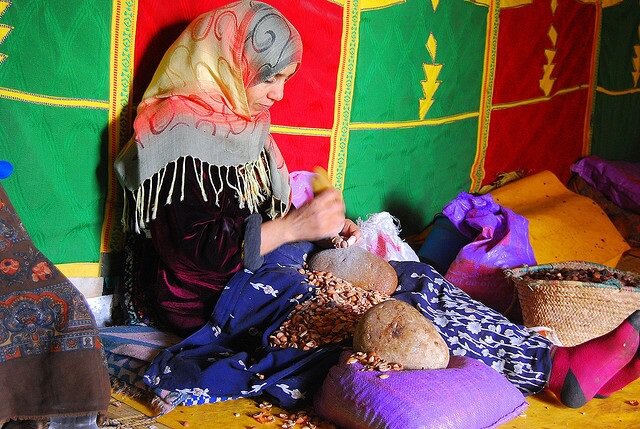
{"x": 348, "y": 236}
{"x": 322, "y": 217}
{"x": 350, "y": 232}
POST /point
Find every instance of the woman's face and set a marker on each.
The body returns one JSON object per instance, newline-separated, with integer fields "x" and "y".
{"x": 262, "y": 96}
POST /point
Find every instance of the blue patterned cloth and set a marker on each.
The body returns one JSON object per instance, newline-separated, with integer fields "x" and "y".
{"x": 231, "y": 357}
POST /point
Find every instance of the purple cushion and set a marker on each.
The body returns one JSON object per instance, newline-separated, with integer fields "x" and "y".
{"x": 466, "y": 394}
{"x": 619, "y": 181}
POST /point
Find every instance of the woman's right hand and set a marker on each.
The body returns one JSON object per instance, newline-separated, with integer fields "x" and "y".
{"x": 322, "y": 217}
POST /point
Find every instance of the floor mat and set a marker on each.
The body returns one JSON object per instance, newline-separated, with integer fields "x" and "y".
{"x": 620, "y": 410}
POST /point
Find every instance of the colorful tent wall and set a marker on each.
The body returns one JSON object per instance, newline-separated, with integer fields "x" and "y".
{"x": 406, "y": 102}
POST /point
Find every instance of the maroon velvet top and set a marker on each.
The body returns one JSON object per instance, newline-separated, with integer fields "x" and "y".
{"x": 195, "y": 248}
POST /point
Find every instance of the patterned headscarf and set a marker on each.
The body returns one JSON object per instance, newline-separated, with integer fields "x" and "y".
{"x": 196, "y": 106}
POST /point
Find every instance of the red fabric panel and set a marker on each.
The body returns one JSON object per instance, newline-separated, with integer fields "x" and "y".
{"x": 575, "y": 24}
{"x": 309, "y": 96}
{"x": 304, "y": 152}
{"x": 536, "y": 137}
{"x": 159, "y": 24}
{"x": 523, "y": 38}
{"x": 547, "y": 135}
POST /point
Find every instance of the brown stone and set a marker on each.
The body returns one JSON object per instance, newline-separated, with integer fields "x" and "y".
{"x": 359, "y": 267}
{"x": 399, "y": 333}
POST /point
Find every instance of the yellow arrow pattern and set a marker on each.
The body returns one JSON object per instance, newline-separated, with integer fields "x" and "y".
{"x": 4, "y": 28}
{"x": 546, "y": 83}
{"x": 636, "y": 61}
{"x": 431, "y": 72}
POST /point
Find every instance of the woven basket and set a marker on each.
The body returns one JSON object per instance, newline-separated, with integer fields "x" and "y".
{"x": 576, "y": 311}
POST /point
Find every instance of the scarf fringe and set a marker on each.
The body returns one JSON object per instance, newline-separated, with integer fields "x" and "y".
{"x": 251, "y": 183}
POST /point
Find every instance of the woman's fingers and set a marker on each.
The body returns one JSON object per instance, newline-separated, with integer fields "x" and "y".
{"x": 321, "y": 217}
{"x": 351, "y": 232}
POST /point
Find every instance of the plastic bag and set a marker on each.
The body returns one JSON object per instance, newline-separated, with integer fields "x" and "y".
{"x": 381, "y": 236}
{"x": 301, "y": 189}
{"x": 500, "y": 241}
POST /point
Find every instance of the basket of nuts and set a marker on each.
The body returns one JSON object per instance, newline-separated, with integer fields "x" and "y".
{"x": 578, "y": 300}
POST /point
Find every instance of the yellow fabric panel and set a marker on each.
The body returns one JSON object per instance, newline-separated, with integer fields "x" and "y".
{"x": 563, "y": 226}
{"x": 80, "y": 269}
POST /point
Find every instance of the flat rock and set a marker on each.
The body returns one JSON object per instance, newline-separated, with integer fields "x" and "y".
{"x": 358, "y": 266}
{"x": 399, "y": 333}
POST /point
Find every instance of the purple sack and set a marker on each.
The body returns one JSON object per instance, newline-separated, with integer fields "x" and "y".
{"x": 466, "y": 395}
{"x": 619, "y": 181}
{"x": 500, "y": 241}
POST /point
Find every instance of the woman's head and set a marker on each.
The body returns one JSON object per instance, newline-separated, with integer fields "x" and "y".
{"x": 271, "y": 44}
{"x": 208, "y": 100}
{"x": 262, "y": 96}
{"x": 272, "y": 54}
{"x": 236, "y": 57}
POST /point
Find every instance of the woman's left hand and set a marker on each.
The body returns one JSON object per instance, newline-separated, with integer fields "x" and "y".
{"x": 348, "y": 236}
{"x": 350, "y": 232}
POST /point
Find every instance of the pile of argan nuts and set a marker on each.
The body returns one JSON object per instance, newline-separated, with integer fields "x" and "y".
{"x": 289, "y": 420}
{"x": 372, "y": 362}
{"x": 329, "y": 317}
{"x": 589, "y": 275}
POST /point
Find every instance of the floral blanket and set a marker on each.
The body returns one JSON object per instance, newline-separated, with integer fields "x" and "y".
{"x": 50, "y": 351}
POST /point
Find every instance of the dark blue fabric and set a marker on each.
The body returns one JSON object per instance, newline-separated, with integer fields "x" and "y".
{"x": 226, "y": 357}
{"x": 223, "y": 359}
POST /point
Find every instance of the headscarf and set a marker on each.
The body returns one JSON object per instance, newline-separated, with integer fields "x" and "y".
{"x": 196, "y": 106}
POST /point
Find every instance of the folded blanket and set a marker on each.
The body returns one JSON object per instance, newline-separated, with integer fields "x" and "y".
{"x": 50, "y": 351}
{"x": 128, "y": 351}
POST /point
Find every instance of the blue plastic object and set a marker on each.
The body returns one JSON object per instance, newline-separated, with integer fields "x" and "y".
{"x": 442, "y": 244}
{"x": 5, "y": 169}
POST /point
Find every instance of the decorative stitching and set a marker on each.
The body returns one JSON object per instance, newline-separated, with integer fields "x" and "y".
{"x": 346, "y": 78}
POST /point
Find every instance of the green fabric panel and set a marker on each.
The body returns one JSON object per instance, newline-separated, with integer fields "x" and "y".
{"x": 618, "y": 36}
{"x": 616, "y": 118}
{"x": 57, "y": 48}
{"x": 616, "y": 127}
{"x": 392, "y": 50}
{"x": 411, "y": 173}
{"x": 58, "y": 184}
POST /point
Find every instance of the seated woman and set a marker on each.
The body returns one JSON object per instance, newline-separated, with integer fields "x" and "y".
{"x": 210, "y": 187}
{"x": 211, "y": 197}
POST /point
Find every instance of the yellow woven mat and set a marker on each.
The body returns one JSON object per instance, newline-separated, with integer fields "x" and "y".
{"x": 222, "y": 415}
{"x": 618, "y": 411}
{"x": 122, "y": 415}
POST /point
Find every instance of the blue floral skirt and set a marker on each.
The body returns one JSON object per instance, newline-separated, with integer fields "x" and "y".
{"x": 230, "y": 357}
